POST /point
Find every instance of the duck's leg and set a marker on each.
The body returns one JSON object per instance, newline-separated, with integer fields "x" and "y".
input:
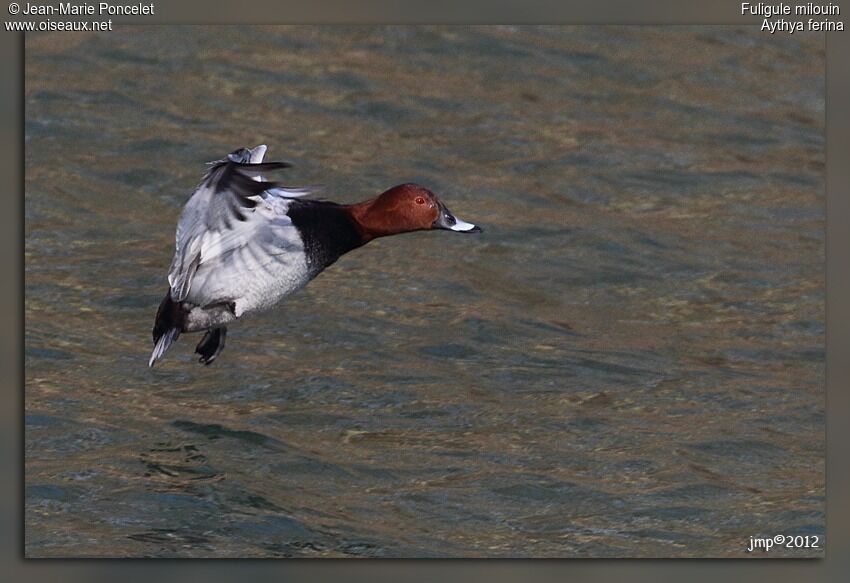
{"x": 211, "y": 344}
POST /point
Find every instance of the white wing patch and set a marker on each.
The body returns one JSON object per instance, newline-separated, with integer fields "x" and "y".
{"x": 234, "y": 218}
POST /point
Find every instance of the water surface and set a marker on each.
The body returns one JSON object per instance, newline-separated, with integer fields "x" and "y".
{"x": 629, "y": 361}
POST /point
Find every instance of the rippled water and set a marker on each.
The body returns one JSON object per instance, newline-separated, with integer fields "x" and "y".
{"x": 629, "y": 361}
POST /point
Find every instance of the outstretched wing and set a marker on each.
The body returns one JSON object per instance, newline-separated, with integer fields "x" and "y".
{"x": 232, "y": 208}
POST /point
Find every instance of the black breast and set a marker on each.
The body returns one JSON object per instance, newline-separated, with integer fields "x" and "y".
{"x": 328, "y": 231}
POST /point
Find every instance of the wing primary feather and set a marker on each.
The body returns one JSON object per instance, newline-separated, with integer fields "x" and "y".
{"x": 291, "y": 191}
{"x": 227, "y": 197}
{"x": 243, "y": 185}
{"x": 262, "y": 165}
{"x": 183, "y": 280}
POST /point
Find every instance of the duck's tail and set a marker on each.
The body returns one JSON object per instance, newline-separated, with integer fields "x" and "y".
{"x": 166, "y": 327}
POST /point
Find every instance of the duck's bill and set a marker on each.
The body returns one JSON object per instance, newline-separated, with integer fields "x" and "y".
{"x": 449, "y": 222}
{"x": 464, "y": 227}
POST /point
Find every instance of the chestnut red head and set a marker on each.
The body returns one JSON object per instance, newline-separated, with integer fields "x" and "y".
{"x": 405, "y": 208}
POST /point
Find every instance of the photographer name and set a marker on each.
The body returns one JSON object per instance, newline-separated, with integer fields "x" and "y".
{"x": 102, "y": 9}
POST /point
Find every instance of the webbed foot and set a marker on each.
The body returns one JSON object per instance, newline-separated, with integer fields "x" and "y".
{"x": 211, "y": 345}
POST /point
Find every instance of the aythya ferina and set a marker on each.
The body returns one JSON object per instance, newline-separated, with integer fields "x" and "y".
{"x": 244, "y": 244}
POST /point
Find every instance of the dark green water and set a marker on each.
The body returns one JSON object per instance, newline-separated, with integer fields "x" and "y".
{"x": 628, "y": 362}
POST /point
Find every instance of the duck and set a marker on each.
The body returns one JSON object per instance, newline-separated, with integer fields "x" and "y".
{"x": 244, "y": 243}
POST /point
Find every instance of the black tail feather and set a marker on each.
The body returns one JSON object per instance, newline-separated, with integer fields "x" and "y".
{"x": 166, "y": 328}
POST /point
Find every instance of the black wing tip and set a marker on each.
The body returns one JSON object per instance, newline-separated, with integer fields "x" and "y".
{"x": 262, "y": 165}
{"x": 237, "y": 172}
{"x": 215, "y": 164}
{"x": 224, "y": 175}
{"x": 241, "y": 157}
{"x": 246, "y": 186}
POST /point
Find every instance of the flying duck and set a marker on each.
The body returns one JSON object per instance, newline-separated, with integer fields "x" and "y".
{"x": 244, "y": 243}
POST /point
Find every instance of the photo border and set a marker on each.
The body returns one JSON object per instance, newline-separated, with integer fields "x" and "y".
{"x": 514, "y": 12}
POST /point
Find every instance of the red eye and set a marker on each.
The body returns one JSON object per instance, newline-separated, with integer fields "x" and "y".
{"x": 420, "y": 200}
